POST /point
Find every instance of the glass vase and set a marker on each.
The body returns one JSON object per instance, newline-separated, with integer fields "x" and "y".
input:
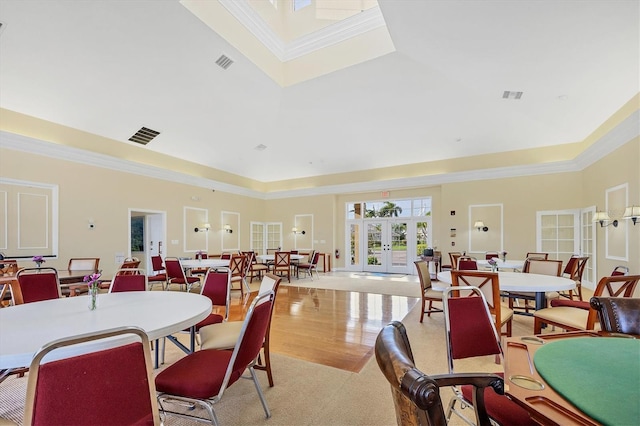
{"x": 93, "y": 298}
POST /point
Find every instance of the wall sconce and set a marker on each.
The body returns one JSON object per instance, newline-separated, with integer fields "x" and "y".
{"x": 203, "y": 228}
{"x": 227, "y": 228}
{"x": 604, "y": 219}
{"x": 295, "y": 231}
{"x": 633, "y": 213}
{"x": 480, "y": 226}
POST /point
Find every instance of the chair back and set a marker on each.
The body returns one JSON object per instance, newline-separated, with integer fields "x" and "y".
{"x": 37, "y": 284}
{"x": 534, "y": 255}
{"x": 466, "y": 263}
{"x": 83, "y": 264}
{"x": 156, "y": 263}
{"x": 237, "y": 264}
{"x": 416, "y": 396}
{"x": 578, "y": 268}
{"x": 217, "y": 287}
{"x": 491, "y": 254}
{"x": 569, "y": 267}
{"x": 121, "y": 395}
{"x": 614, "y": 286}
{"x": 315, "y": 258}
{"x": 620, "y": 270}
{"x": 453, "y": 257}
{"x": 129, "y": 279}
{"x": 488, "y": 283}
{"x": 173, "y": 268}
{"x": 618, "y": 314}
{"x": 423, "y": 274}
{"x": 282, "y": 259}
{"x": 543, "y": 267}
{"x": 225, "y": 256}
{"x": 470, "y": 330}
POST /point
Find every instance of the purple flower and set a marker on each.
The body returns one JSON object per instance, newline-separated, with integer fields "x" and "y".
{"x": 38, "y": 259}
{"x": 92, "y": 279}
{"x": 492, "y": 262}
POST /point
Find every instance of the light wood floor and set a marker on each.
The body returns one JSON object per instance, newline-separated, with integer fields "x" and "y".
{"x": 330, "y": 327}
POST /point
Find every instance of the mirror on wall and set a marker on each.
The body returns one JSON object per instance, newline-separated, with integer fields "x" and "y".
{"x": 485, "y": 228}
{"x": 303, "y": 232}
{"x": 230, "y": 223}
{"x": 196, "y": 229}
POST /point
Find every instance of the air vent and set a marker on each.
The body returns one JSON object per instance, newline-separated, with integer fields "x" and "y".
{"x": 260, "y": 147}
{"x": 511, "y": 95}
{"x": 144, "y": 136}
{"x": 224, "y": 62}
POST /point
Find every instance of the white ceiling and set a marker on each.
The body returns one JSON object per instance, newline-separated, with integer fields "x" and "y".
{"x": 111, "y": 67}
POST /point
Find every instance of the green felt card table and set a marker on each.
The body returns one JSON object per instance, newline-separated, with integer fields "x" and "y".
{"x": 581, "y": 378}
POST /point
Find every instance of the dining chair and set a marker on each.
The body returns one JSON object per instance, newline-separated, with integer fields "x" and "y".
{"x": 256, "y": 269}
{"x": 574, "y": 270}
{"x": 282, "y": 264}
{"x": 201, "y": 377}
{"x": 470, "y": 332}
{"x": 537, "y": 255}
{"x": 467, "y": 263}
{"x": 489, "y": 284}
{"x": 488, "y": 255}
{"x": 104, "y": 396}
{"x": 533, "y": 265}
{"x": 200, "y": 271}
{"x": 428, "y": 293}
{"x": 176, "y": 275}
{"x": 129, "y": 279}
{"x": 309, "y": 267}
{"x": 80, "y": 264}
{"x": 36, "y": 284}
{"x": 453, "y": 257}
{"x": 225, "y": 335}
{"x": 620, "y": 270}
{"x": 159, "y": 273}
{"x": 238, "y": 266}
{"x": 618, "y": 314}
{"x": 416, "y": 396}
{"x": 578, "y": 316}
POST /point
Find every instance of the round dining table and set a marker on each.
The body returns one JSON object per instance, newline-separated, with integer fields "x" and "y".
{"x": 25, "y": 328}
{"x": 204, "y": 263}
{"x": 271, "y": 257}
{"x": 514, "y": 264}
{"x": 519, "y": 282}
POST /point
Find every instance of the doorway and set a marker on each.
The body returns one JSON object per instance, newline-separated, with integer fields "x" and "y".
{"x": 387, "y": 248}
{"x": 150, "y": 227}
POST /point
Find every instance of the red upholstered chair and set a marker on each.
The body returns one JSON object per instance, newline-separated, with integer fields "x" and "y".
{"x": 428, "y": 293}
{"x": 37, "y": 284}
{"x": 105, "y": 396}
{"x": 488, "y": 283}
{"x": 201, "y": 377}
{"x": 416, "y": 396}
{"x": 620, "y": 270}
{"x": 225, "y": 335}
{"x": 491, "y": 255}
{"x": 470, "y": 332}
{"x": 176, "y": 275}
{"x": 217, "y": 287}
{"x": 129, "y": 279}
{"x": 466, "y": 263}
{"x": 160, "y": 276}
{"x": 572, "y": 315}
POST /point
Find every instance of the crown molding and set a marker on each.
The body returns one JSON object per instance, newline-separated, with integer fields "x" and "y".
{"x": 353, "y": 26}
{"x": 618, "y": 136}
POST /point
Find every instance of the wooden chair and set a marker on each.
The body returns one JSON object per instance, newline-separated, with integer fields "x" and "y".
{"x": 282, "y": 264}
{"x": 224, "y": 335}
{"x": 575, "y": 318}
{"x": 574, "y": 270}
{"x": 534, "y": 255}
{"x": 80, "y": 264}
{"x": 428, "y": 293}
{"x": 416, "y": 396}
{"x": 256, "y": 270}
{"x": 123, "y": 394}
{"x": 488, "y": 283}
{"x": 453, "y": 257}
{"x": 470, "y": 332}
{"x": 238, "y": 267}
{"x": 618, "y": 314}
{"x": 201, "y": 377}
{"x": 35, "y": 285}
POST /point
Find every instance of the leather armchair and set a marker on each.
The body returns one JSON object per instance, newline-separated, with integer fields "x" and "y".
{"x": 618, "y": 314}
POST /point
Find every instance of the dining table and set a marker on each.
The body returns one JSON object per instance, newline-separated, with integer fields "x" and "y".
{"x": 27, "y": 327}
{"x": 265, "y": 258}
{"x": 66, "y": 278}
{"x": 513, "y": 264}
{"x": 576, "y": 378}
{"x": 518, "y": 282}
{"x": 189, "y": 264}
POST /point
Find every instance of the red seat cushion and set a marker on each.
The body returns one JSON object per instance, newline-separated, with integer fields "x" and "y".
{"x": 211, "y": 319}
{"x": 499, "y": 407}
{"x": 571, "y": 303}
{"x": 199, "y": 375}
{"x": 159, "y": 277}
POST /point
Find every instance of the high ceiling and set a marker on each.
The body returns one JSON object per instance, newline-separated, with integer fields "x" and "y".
{"x": 112, "y": 67}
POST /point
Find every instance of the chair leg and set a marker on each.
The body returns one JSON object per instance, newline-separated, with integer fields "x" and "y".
{"x": 260, "y": 394}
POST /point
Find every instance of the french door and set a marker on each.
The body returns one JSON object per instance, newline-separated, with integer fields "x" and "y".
{"x": 387, "y": 248}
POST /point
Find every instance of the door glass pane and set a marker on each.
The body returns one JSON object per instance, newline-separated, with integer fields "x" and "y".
{"x": 422, "y": 237}
{"x": 257, "y": 238}
{"x": 354, "y": 244}
{"x": 399, "y": 244}
{"x": 374, "y": 243}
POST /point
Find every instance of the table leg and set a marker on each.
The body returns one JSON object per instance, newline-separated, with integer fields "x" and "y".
{"x": 541, "y": 300}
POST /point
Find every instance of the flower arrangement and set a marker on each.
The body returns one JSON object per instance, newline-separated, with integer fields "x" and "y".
{"x": 503, "y": 255}
{"x": 93, "y": 282}
{"x": 39, "y": 260}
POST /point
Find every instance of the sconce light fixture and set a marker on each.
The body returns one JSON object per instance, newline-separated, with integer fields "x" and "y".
{"x": 295, "y": 231}
{"x": 227, "y": 228}
{"x": 203, "y": 228}
{"x": 480, "y": 226}
{"x": 633, "y": 213}
{"x": 604, "y": 219}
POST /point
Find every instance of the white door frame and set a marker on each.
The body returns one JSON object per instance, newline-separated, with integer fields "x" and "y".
{"x": 155, "y": 236}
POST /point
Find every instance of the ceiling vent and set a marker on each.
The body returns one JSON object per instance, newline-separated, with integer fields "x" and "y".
{"x": 144, "y": 136}
{"x": 260, "y": 147}
{"x": 224, "y": 62}
{"x": 511, "y": 95}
